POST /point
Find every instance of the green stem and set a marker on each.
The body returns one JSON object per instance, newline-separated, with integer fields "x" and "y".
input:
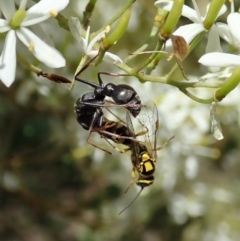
{"x": 172, "y": 19}
{"x": 193, "y": 97}
{"x": 116, "y": 17}
{"x": 167, "y": 80}
{"x": 214, "y": 9}
{"x": 154, "y": 63}
{"x": 40, "y": 72}
{"x": 101, "y": 54}
{"x": 182, "y": 86}
{"x": 29, "y": 66}
{"x": 230, "y": 84}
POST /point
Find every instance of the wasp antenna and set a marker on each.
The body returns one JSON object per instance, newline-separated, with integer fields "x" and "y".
{"x": 131, "y": 201}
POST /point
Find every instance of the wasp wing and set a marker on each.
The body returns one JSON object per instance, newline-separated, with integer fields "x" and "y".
{"x": 135, "y": 148}
{"x": 149, "y": 121}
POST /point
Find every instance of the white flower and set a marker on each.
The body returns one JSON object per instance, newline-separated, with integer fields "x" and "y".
{"x": 190, "y": 31}
{"x": 36, "y": 14}
{"x": 231, "y": 34}
{"x": 87, "y": 48}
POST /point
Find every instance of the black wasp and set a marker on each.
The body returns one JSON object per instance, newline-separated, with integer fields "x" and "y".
{"x": 89, "y": 107}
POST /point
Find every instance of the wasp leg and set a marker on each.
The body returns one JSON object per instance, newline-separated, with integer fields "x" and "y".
{"x": 89, "y": 142}
{"x": 103, "y": 131}
{"x": 120, "y": 136}
{"x": 83, "y": 68}
{"x": 142, "y": 133}
{"x": 91, "y": 129}
{"x": 124, "y": 137}
{"x": 166, "y": 142}
{"x": 115, "y": 148}
{"x": 133, "y": 180}
{"x": 118, "y": 118}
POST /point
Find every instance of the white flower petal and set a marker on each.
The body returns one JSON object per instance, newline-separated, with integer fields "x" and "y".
{"x": 222, "y": 11}
{"x": 44, "y": 6}
{"x": 31, "y": 20}
{"x": 41, "y": 11}
{"x": 188, "y": 32}
{"x": 4, "y": 26}
{"x": 233, "y": 20}
{"x": 8, "y": 59}
{"x": 87, "y": 35}
{"x": 219, "y": 60}
{"x": 186, "y": 11}
{"x": 213, "y": 44}
{"x": 43, "y": 52}
{"x": 166, "y": 5}
{"x": 191, "y": 14}
{"x": 92, "y": 53}
{"x": 108, "y": 57}
{"x": 45, "y": 37}
{"x": 23, "y": 4}
{"x": 111, "y": 58}
{"x": 75, "y": 29}
{"x": 94, "y": 40}
{"x": 7, "y": 8}
{"x": 224, "y": 32}
{"x": 162, "y": 3}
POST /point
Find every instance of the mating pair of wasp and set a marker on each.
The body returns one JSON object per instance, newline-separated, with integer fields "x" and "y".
{"x": 89, "y": 110}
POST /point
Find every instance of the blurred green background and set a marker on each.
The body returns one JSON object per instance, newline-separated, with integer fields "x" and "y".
{"x": 53, "y": 186}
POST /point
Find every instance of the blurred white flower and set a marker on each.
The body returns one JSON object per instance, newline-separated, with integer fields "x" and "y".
{"x": 185, "y": 113}
{"x": 190, "y": 31}
{"x": 86, "y": 46}
{"x": 15, "y": 24}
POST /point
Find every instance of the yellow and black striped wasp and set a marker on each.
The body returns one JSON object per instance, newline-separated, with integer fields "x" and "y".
{"x": 144, "y": 155}
{"x": 143, "y": 152}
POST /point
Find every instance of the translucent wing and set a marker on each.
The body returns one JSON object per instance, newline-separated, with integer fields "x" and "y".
{"x": 135, "y": 149}
{"x": 149, "y": 120}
